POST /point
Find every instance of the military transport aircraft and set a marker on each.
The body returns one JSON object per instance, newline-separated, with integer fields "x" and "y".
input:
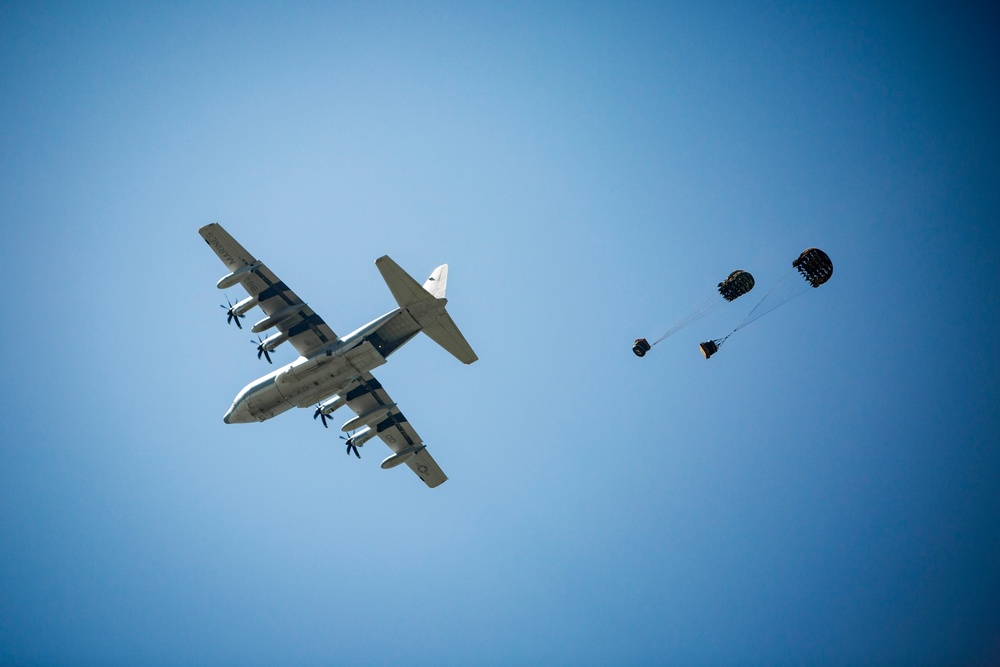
{"x": 335, "y": 371}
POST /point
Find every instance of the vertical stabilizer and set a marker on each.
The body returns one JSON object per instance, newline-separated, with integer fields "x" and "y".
{"x": 438, "y": 281}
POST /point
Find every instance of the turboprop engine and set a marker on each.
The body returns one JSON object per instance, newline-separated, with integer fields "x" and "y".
{"x": 238, "y": 311}
{"x": 327, "y": 407}
{"x": 359, "y": 439}
{"x": 267, "y": 345}
{"x": 274, "y": 341}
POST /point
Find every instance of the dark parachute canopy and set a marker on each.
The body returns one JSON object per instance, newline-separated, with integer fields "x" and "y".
{"x": 734, "y": 286}
{"x": 813, "y": 264}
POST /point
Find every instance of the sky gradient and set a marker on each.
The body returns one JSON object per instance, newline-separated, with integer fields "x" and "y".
{"x": 825, "y": 490}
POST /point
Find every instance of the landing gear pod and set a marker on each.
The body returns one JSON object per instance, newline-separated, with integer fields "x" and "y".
{"x": 708, "y": 348}
{"x": 641, "y": 347}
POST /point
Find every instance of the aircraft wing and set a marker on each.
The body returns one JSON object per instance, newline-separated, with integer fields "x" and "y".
{"x": 305, "y": 329}
{"x": 365, "y": 394}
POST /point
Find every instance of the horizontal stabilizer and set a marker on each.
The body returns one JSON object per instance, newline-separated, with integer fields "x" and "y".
{"x": 404, "y": 288}
{"x": 445, "y": 333}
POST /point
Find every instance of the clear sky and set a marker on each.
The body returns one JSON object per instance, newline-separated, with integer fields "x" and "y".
{"x": 825, "y": 490}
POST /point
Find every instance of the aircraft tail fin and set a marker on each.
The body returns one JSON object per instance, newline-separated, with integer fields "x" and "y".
{"x": 438, "y": 281}
{"x": 408, "y": 292}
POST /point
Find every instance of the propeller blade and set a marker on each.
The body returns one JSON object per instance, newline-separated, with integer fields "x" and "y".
{"x": 320, "y": 413}
{"x": 232, "y": 315}
{"x": 261, "y": 350}
{"x": 351, "y": 445}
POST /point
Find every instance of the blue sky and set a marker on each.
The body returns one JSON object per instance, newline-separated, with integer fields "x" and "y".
{"x": 822, "y": 491}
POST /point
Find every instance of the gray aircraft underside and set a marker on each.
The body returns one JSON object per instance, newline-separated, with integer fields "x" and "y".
{"x": 334, "y": 371}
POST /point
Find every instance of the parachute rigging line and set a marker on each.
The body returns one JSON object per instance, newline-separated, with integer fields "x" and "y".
{"x": 704, "y": 307}
{"x": 737, "y": 284}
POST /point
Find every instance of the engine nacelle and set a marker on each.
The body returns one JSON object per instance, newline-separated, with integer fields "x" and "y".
{"x": 331, "y": 404}
{"x": 361, "y": 437}
{"x": 273, "y": 341}
{"x": 367, "y": 417}
{"x": 401, "y": 456}
{"x": 236, "y": 276}
{"x": 243, "y": 306}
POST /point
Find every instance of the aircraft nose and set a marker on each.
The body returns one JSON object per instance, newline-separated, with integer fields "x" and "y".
{"x": 238, "y": 413}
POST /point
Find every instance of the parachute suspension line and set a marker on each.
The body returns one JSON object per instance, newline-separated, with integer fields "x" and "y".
{"x": 780, "y": 292}
{"x": 815, "y": 268}
{"x": 706, "y": 306}
{"x": 735, "y": 285}
{"x": 777, "y": 295}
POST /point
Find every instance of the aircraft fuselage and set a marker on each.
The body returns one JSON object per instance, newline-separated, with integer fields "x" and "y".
{"x": 309, "y": 380}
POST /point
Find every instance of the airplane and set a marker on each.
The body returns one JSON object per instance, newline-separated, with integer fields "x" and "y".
{"x": 333, "y": 371}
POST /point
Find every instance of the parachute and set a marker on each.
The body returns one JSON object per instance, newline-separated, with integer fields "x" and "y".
{"x": 734, "y": 286}
{"x": 813, "y": 265}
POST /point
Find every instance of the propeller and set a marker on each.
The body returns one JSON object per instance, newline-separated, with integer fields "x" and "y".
{"x": 261, "y": 350}
{"x": 232, "y": 315}
{"x": 351, "y": 445}
{"x": 322, "y": 415}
